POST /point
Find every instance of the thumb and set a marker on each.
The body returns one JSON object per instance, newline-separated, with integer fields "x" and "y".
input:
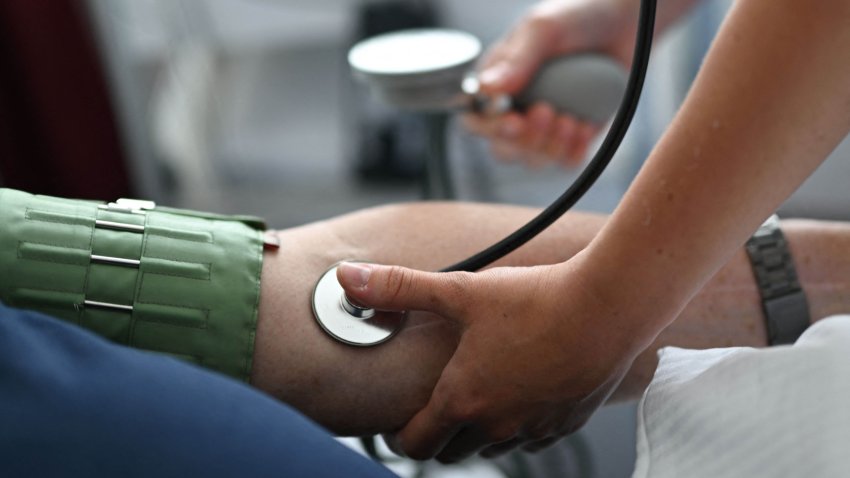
{"x": 514, "y": 61}
{"x": 399, "y": 288}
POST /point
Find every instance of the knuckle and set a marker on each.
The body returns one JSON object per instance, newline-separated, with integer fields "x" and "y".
{"x": 398, "y": 284}
{"x": 456, "y": 288}
{"x": 540, "y": 20}
{"x": 457, "y": 283}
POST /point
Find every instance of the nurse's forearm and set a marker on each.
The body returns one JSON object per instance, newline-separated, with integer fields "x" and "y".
{"x": 771, "y": 102}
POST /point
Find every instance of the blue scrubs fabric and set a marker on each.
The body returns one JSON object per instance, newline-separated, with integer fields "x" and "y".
{"x": 72, "y": 404}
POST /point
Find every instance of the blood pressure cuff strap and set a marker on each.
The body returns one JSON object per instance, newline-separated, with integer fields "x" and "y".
{"x": 178, "y": 282}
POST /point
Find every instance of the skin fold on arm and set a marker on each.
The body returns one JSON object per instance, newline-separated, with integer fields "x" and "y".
{"x": 356, "y": 391}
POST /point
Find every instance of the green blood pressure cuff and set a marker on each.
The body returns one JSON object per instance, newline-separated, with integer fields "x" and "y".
{"x": 173, "y": 281}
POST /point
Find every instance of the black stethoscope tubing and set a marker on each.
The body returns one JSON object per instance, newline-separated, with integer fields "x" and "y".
{"x": 603, "y": 156}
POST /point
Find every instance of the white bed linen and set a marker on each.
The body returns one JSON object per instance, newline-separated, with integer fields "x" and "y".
{"x": 780, "y": 411}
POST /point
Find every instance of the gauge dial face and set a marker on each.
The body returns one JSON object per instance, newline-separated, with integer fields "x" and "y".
{"x": 413, "y": 52}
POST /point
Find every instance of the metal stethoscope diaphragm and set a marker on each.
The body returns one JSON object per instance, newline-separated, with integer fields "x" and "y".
{"x": 348, "y": 322}
{"x": 429, "y": 71}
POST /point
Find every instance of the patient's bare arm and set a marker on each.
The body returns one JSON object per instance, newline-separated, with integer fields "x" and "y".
{"x": 727, "y": 311}
{"x": 358, "y": 391}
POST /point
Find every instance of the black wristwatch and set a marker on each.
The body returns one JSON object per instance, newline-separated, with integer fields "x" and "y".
{"x": 786, "y": 309}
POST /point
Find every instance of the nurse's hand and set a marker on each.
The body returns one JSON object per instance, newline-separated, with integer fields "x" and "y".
{"x": 540, "y": 350}
{"x": 552, "y": 28}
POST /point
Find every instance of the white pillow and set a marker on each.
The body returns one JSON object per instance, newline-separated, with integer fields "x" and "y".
{"x": 780, "y": 411}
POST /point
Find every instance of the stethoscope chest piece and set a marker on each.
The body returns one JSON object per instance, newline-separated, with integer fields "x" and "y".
{"x": 347, "y": 322}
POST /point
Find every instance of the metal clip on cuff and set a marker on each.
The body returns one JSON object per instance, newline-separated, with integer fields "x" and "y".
{"x": 178, "y": 282}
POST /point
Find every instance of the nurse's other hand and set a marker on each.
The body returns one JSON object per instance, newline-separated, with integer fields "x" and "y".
{"x": 550, "y": 29}
{"x": 539, "y": 352}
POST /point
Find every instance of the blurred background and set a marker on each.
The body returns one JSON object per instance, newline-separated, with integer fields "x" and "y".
{"x": 248, "y": 106}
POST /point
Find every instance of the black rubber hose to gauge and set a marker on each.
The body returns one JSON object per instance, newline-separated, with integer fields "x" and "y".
{"x": 619, "y": 127}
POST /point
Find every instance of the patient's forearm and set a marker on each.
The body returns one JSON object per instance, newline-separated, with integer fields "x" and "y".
{"x": 727, "y": 311}
{"x": 358, "y": 391}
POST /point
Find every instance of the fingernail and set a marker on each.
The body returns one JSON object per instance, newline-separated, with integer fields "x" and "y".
{"x": 493, "y": 75}
{"x": 355, "y": 274}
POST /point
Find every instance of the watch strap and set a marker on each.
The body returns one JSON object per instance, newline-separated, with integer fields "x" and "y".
{"x": 784, "y": 303}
